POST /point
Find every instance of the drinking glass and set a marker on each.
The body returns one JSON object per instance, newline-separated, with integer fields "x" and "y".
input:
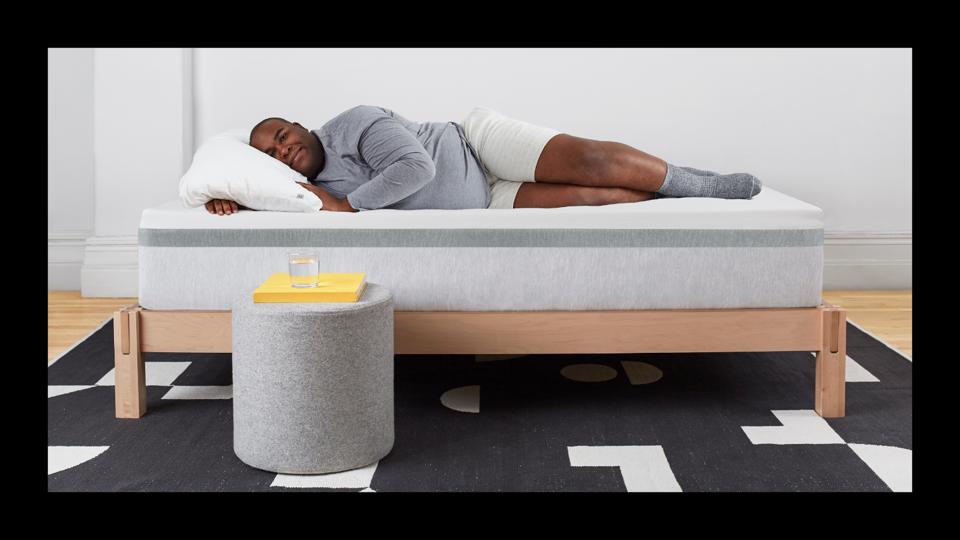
{"x": 304, "y": 269}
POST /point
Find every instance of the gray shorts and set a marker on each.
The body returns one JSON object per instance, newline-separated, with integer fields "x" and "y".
{"x": 509, "y": 149}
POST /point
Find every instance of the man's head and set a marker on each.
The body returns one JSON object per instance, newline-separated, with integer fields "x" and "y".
{"x": 290, "y": 143}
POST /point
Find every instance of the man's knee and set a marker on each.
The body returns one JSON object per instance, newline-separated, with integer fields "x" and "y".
{"x": 603, "y": 160}
{"x": 592, "y": 160}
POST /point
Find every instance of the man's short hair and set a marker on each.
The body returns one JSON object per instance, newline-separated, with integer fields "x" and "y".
{"x": 264, "y": 121}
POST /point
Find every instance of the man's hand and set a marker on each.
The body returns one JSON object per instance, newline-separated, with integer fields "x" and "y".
{"x": 330, "y": 202}
{"x": 223, "y": 207}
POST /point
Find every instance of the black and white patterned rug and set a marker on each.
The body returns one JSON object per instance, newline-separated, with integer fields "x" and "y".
{"x": 587, "y": 423}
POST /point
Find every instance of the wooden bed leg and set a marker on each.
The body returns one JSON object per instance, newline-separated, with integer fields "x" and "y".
{"x": 130, "y": 389}
{"x": 831, "y": 364}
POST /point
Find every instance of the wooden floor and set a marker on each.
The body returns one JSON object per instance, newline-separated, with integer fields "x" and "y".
{"x": 888, "y": 315}
{"x": 71, "y": 318}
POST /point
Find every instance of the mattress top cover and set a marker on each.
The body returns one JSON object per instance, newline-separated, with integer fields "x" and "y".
{"x": 770, "y": 209}
{"x": 771, "y": 219}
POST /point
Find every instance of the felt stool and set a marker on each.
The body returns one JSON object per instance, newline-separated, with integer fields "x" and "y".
{"x": 313, "y": 383}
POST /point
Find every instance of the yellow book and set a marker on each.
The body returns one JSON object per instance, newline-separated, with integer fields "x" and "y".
{"x": 332, "y": 287}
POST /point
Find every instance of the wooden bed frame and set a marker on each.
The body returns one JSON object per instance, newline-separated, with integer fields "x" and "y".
{"x": 820, "y": 329}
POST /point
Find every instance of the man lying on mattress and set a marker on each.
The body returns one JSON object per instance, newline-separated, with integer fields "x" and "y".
{"x": 370, "y": 157}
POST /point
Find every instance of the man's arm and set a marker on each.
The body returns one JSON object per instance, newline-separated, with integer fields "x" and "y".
{"x": 403, "y": 165}
{"x": 330, "y": 202}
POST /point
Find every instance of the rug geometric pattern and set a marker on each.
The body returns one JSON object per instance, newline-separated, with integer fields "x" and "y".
{"x": 595, "y": 423}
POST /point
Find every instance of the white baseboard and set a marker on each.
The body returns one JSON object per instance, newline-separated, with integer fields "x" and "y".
{"x": 107, "y": 265}
{"x": 867, "y": 260}
{"x": 110, "y": 267}
{"x": 64, "y": 259}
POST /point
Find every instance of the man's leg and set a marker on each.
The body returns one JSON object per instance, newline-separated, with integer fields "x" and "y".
{"x": 546, "y": 195}
{"x": 585, "y": 162}
{"x": 518, "y": 151}
{"x": 574, "y": 160}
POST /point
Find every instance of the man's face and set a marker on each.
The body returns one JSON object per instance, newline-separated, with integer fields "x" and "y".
{"x": 292, "y": 144}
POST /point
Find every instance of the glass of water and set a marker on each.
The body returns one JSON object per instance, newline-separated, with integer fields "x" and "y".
{"x": 304, "y": 269}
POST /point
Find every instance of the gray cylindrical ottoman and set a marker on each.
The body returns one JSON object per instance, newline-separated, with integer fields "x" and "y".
{"x": 313, "y": 383}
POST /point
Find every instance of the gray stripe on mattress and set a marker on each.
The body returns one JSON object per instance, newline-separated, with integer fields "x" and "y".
{"x": 479, "y": 238}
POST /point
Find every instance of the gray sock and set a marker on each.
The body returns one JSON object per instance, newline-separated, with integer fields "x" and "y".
{"x": 697, "y": 172}
{"x": 681, "y": 182}
{"x": 700, "y": 172}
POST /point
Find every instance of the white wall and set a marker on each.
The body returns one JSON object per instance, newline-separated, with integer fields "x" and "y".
{"x": 828, "y": 126}
{"x": 139, "y": 125}
{"x": 142, "y": 146}
{"x": 69, "y": 163}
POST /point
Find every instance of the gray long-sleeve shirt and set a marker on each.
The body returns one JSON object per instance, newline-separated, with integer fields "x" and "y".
{"x": 378, "y": 159}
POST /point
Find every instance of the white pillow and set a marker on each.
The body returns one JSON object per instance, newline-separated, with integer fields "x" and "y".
{"x": 227, "y": 167}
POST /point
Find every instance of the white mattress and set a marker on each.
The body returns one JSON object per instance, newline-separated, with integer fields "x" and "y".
{"x": 687, "y": 253}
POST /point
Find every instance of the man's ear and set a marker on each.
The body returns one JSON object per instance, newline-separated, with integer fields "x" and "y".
{"x": 297, "y": 124}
